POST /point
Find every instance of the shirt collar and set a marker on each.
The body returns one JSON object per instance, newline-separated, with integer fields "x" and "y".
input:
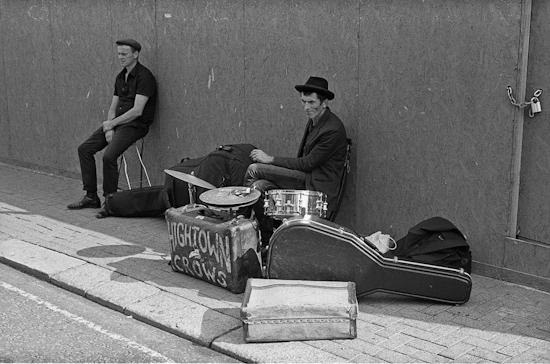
{"x": 316, "y": 119}
{"x": 132, "y": 72}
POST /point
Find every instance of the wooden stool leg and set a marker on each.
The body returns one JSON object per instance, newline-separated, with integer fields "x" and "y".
{"x": 143, "y": 169}
{"x": 126, "y": 172}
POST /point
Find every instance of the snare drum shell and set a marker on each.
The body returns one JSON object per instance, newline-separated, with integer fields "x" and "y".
{"x": 288, "y": 203}
{"x": 223, "y": 252}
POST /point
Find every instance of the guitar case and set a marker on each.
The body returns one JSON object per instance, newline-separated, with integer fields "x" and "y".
{"x": 310, "y": 248}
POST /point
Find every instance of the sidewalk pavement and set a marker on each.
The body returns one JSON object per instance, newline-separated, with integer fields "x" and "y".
{"x": 122, "y": 263}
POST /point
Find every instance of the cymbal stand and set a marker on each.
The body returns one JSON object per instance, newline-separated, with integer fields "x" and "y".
{"x": 192, "y": 192}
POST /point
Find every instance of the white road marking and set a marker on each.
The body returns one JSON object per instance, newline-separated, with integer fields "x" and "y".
{"x": 89, "y": 324}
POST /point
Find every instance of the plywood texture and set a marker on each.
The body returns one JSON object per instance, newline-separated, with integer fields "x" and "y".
{"x": 29, "y": 81}
{"x": 201, "y": 47}
{"x": 527, "y": 257}
{"x": 83, "y": 60}
{"x": 534, "y": 202}
{"x": 439, "y": 140}
{"x": 4, "y": 117}
{"x": 420, "y": 87}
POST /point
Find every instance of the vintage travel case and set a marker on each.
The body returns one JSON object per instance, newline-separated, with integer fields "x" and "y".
{"x": 310, "y": 248}
{"x": 219, "y": 250}
{"x": 288, "y": 310}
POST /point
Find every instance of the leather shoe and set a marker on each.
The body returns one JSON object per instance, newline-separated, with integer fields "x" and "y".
{"x": 85, "y": 203}
{"x": 102, "y": 213}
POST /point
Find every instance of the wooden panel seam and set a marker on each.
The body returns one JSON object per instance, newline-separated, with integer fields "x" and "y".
{"x": 523, "y": 61}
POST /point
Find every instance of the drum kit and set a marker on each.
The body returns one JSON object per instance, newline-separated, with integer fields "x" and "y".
{"x": 279, "y": 204}
{"x": 308, "y": 247}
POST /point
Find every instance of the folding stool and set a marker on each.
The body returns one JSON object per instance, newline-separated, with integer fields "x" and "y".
{"x": 143, "y": 170}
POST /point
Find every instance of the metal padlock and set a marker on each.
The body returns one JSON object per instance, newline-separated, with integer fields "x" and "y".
{"x": 535, "y": 105}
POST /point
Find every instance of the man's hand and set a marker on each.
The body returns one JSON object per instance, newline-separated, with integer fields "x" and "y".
{"x": 109, "y": 135}
{"x": 260, "y": 156}
{"x": 108, "y": 125}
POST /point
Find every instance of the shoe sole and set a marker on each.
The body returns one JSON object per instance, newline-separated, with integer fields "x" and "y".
{"x": 83, "y": 207}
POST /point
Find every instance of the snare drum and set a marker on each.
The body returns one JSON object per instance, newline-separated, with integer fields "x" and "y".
{"x": 287, "y": 203}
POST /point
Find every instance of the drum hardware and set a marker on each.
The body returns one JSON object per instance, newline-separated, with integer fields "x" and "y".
{"x": 192, "y": 181}
{"x": 230, "y": 199}
{"x": 283, "y": 204}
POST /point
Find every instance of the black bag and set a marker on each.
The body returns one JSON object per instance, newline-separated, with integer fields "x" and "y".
{"x": 139, "y": 202}
{"x": 226, "y": 166}
{"x": 435, "y": 241}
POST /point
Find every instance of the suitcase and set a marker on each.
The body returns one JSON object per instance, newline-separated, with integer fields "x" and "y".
{"x": 220, "y": 250}
{"x": 310, "y": 248}
{"x": 139, "y": 202}
{"x": 287, "y": 310}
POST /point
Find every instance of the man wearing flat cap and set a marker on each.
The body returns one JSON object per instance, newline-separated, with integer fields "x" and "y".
{"x": 320, "y": 162}
{"x": 128, "y": 119}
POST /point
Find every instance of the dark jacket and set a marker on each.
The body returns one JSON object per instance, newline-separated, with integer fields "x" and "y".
{"x": 321, "y": 155}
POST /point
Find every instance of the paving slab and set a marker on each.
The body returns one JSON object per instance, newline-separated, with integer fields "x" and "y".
{"x": 121, "y": 292}
{"x": 280, "y": 352}
{"x": 30, "y": 258}
{"x": 183, "y": 317}
{"x": 84, "y": 278}
{"x": 122, "y": 263}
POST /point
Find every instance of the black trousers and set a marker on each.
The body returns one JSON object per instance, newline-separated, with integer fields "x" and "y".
{"x": 123, "y": 138}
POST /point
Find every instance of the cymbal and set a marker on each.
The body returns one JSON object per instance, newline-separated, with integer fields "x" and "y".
{"x": 189, "y": 178}
{"x": 230, "y": 196}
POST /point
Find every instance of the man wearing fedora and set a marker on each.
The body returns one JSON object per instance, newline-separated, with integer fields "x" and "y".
{"x": 319, "y": 164}
{"x": 128, "y": 119}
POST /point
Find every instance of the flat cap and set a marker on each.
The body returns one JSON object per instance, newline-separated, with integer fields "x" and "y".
{"x": 130, "y": 42}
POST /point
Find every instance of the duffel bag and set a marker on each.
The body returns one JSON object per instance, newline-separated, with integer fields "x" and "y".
{"x": 224, "y": 167}
{"x": 138, "y": 202}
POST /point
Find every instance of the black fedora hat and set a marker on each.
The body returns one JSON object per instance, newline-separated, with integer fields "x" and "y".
{"x": 316, "y": 84}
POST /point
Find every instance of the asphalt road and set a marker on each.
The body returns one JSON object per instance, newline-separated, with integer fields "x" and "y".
{"x": 40, "y": 322}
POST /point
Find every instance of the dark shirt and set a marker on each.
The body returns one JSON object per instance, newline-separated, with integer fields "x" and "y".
{"x": 140, "y": 81}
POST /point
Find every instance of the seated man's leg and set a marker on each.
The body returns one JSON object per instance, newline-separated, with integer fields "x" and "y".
{"x": 278, "y": 177}
{"x": 123, "y": 138}
{"x": 86, "y": 155}
{"x": 266, "y": 177}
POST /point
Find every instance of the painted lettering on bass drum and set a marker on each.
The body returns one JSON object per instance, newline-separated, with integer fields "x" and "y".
{"x": 200, "y": 269}
{"x": 191, "y": 238}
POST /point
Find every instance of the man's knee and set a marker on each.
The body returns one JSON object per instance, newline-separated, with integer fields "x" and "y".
{"x": 252, "y": 170}
{"x": 85, "y": 149}
{"x": 251, "y": 175}
{"x": 262, "y": 185}
{"x": 109, "y": 157}
{"x": 82, "y": 149}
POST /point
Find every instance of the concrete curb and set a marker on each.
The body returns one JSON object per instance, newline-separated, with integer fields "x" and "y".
{"x": 122, "y": 263}
{"x": 132, "y": 297}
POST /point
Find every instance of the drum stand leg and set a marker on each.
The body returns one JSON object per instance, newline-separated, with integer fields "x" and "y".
{"x": 192, "y": 192}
